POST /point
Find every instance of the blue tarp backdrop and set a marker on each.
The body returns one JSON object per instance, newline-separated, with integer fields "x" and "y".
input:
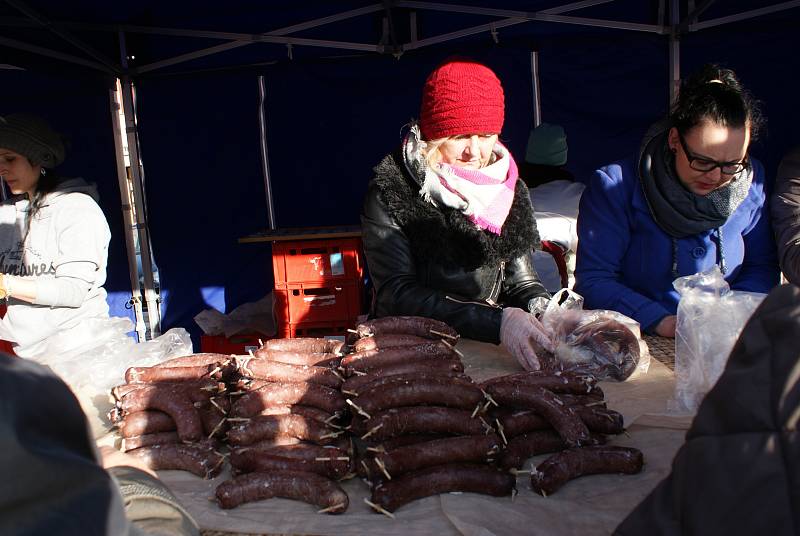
{"x": 332, "y": 114}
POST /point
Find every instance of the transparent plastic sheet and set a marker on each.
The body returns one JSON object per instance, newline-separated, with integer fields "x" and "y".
{"x": 257, "y": 316}
{"x": 606, "y": 344}
{"x": 93, "y": 357}
{"x": 711, "y": 317}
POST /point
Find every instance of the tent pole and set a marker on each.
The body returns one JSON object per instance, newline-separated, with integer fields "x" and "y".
{"x": 262, "y": 133}
{"x": 151, "y": 297}
{"x": 674, "y": 51}
{"x": 537, "y": 103}
{"x": 128, "y": 216}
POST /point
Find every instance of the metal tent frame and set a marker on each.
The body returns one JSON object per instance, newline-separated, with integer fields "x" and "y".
{"x": 132, "y": 178}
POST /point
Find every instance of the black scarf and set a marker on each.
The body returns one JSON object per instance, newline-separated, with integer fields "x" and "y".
{"x": 676, "y": 210}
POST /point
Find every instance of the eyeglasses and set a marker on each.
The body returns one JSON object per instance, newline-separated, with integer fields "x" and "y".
{"x": 704, "y": 164}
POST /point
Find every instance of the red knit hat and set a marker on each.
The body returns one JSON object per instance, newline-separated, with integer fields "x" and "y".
{"x": 461, "y": 97}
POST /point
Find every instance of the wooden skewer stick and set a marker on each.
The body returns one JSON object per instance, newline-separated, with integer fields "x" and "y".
{"x": 260, "y": 342}
{"x": 378, "y": 508}
{"x": 358, "y": 409}
{"x": 331, "y": 418}
{"x": 500, "y": 429}
{"x": 220, "y": 408}
{"x": 372, "y": 431}
{"x": 239, "y": 419}
{"x": 359, "y": 373}
{"x": 351, "y": 393}
{"x": 216, "y": 369}
{"x": 331, "y": 435}
{"x": 516, "y": 472}
{"x": 352, "y": 331}
{"x": 488, "y": 397}
{"x": 447, "y": 335}
{"x": 486, "y": 425}
{"x": 217, "y": 427}
{"x": 330, "y": 508}
{"x": 382, "y": 467}
{"x": 337, "y": 374}
{"x": 379, "y": 449}
{"x": 475, "y": 412}
{"x": 598, "y": 403}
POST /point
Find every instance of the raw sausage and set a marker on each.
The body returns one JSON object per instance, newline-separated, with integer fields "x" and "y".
{"x": 308, "y": 487}
{"x": 288, "y": 393}
{"x": 407, "y": 325}
{"x": 393, "y": 494}
{"x": 560, "y": 468}
{"x": 197, "y": 459}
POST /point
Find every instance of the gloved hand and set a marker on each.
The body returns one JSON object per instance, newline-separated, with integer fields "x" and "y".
{"x": 521, "y": 333}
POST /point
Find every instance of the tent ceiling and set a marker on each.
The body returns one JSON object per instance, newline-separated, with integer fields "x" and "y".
{"x": 164, "y": 37}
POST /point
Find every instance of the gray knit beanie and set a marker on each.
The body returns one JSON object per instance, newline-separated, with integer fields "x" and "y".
{"x": 33, "y": 138}
{"x": 547, "y": 145}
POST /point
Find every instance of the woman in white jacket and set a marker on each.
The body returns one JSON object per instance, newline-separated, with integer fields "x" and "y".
{"x": 53, "y": 245}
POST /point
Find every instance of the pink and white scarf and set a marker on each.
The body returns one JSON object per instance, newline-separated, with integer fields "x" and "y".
{"x": 484, "y": 195}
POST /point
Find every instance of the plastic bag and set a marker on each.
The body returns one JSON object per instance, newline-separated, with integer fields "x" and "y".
{"x": 93, "y": 357}
{"x": 253, "y": 317}
{"x": 603, "y": 343}
{"x": 710, "y": 319}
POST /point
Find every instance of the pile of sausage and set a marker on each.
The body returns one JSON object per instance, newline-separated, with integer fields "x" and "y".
{"x": 540, "y": 412}
{"x": 417, "y": 415}
{"x": 286, "y": 437}
{"x": 300, "y": 415}
{"x": 171, "y": 415}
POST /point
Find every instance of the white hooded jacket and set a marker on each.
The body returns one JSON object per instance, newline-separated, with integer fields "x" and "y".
{"x": 65, "y": 251}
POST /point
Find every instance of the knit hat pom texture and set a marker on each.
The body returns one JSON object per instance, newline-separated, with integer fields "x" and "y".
{"x": 33, "y": 138}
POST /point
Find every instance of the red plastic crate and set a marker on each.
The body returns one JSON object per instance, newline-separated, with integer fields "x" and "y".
{"x": 308, "y": 302}
{"x": 324, "y": 260}
{"x": 236, "y": 344}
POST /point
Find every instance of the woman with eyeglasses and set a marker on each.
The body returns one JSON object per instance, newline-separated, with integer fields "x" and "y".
{"x": 692, "y": 198}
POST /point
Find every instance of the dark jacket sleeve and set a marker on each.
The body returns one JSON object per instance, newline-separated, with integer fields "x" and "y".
{"x": 522, "y": 283}
{"x": 398, "y": 292}
{"x": 786, "y": 215}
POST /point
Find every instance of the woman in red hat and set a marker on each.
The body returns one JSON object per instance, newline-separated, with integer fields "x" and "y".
{"x": 448, "y": 226}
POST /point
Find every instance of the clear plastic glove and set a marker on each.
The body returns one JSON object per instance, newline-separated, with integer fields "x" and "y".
{"x": 521, "y": 333}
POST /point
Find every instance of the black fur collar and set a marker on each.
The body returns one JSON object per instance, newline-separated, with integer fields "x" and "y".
{"x": 445, "y": 235}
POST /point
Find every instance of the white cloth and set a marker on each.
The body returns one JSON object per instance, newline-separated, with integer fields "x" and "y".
{"x": 65, "y": 249}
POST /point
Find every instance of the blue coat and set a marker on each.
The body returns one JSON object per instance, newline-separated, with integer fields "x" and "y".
{"x": 624, "y": 260}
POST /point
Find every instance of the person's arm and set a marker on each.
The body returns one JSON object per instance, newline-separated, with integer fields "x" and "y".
{"x": 759, "y": 271}
{"x": 603, "y": 238}
{"x": 522, "y": 283}
{"x": 83, "y": 237}
{"x": 398, "y": 292}
{"x": 785, "y": 206}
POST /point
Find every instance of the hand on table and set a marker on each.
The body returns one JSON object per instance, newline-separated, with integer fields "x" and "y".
{"x": 521, "y": 333}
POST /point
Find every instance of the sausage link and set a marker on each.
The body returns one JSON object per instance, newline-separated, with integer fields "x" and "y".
{"x": 197, "y": 391}
{"x": 197, "y": 459}
{"x": 525, "y": 446}
{"x": 393, "y": 494}
{"x": 304, "y": 345}
{"x": 288, "y": 393}
{"x": 298, "y": 358}
{"x": 418, "y": 420}
{"x": 475, "y": 449}
{"x": 431, "y": 391}
{"x": 145, "y": 422}
{"x": 149, "y": 440}
{"x": 600, "y": 420}
{"x": 248, "y": 461}
{"x": 380, "y": 342}
{"x": 560, "y": 468}
{"x": 173, "y": 374}
{"x": 406, "y": 325}
{"x": 444, "y": 367}
{"x": 308, "y": 487}
{"x": 270, "y": 426}
{"x": 545, "y": 403}
{"x": 378, "y": 382}
{"x": 195, "y": 360}
{"x": 565, "y": 382}
{"x": 373, "y": 359}
{"x": 275, "y": 371}
{"x": 173, "y": 400}
{"x": 307, "y": 412}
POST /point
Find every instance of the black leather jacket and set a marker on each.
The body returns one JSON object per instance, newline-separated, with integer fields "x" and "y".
{"x": 433, "y": 262}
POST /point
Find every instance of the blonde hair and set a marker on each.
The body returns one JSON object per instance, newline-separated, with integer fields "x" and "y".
{"x": 431, "y": 153}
